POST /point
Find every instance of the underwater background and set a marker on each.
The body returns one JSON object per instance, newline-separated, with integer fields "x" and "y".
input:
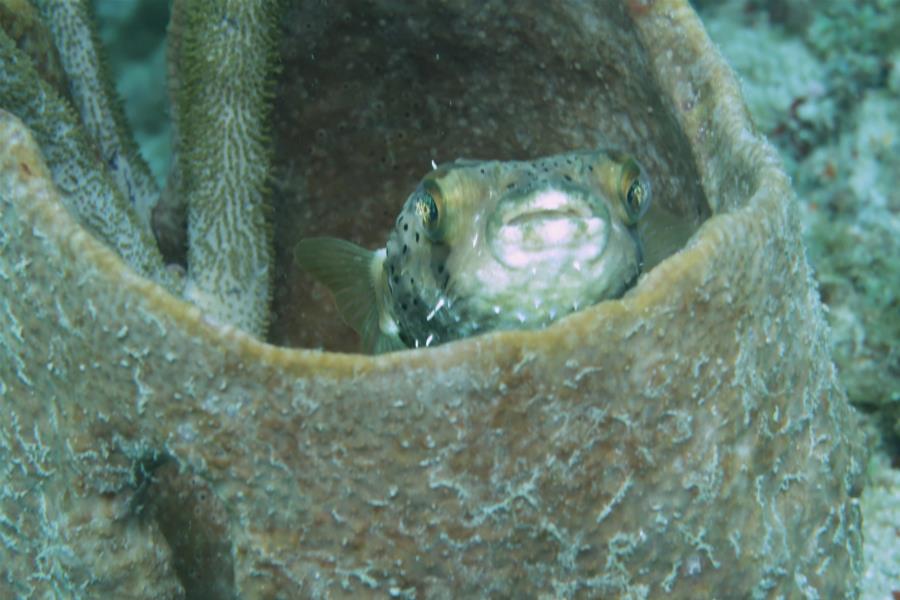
{"x": 821, "y": 79}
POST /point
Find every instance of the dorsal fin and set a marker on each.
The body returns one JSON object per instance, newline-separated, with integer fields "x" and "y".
{"x": 354, "y": 275}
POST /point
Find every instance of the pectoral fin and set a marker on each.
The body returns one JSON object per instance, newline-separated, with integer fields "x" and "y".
{"x": 386, "y": 342}
{"x": 354, "y": 276}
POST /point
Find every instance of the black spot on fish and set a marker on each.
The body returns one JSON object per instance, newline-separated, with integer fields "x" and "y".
{"x": 403, "y": 305}
{"x": 406, "y": 227}
{"x": 591, "y": 168}
{"x": 510, "y": 186}
{"x": 405, "y": 248}
{"x": 412, "y": 281}
{"x": 568, "y": 178}
{"x": 482, "y": 170}
{"x": 396, "y": 279}
{"x": 417, "y": 237}
{"x": 440, "y": 269}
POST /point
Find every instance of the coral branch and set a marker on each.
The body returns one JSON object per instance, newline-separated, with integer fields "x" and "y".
{"x": 23, "y": 24}
{"x": 72, "y": 27}
{"x": 223, "y": 102}
{"x": 83, "y": 181}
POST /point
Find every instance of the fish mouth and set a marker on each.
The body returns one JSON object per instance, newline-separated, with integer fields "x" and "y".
{"x": 550, "y": 226}
{"x": 545, "y": 205}
{"x": 531, "y": 216}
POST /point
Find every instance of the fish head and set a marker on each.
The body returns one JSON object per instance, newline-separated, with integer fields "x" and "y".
{"x": 495, "y": 245}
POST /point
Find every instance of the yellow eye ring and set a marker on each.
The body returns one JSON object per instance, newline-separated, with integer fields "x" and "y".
{"x": 634, "y": 191}
{"x": 429, "y": 207}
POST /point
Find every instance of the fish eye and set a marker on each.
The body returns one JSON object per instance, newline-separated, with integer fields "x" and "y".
{"x": 635, "y": 197}
{"x": 427, "y": 209}
{"x": 635, "y": 191}
{"x": 429, "y": 206}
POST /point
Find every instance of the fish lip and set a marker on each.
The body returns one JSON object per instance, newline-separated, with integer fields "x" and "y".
{"x": 566, "y": 213}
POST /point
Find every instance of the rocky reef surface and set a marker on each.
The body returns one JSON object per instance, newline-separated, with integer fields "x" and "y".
{"x": 826, "y": 91}
{"x": 689, "y": 438}
{"x": 822, "y": 81}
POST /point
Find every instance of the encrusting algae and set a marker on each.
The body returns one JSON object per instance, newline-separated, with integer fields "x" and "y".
{"x": 688, "y": 438}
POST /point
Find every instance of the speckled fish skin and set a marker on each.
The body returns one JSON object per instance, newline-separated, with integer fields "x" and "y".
{"x": 517, "y": 245}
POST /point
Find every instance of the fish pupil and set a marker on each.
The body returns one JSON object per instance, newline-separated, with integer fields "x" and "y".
{"x": 634, "y": 196}
{"x": 432, "y": 210}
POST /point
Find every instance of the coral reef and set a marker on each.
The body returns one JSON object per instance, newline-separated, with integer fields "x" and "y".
{"x": 688, "y": 438}
{"x": 881, "y": 529}
{"x": 836, "y": 121}
{"x": 835, "y": 117}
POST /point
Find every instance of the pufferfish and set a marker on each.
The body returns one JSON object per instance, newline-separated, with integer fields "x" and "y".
{"x": 489, "y": 245}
